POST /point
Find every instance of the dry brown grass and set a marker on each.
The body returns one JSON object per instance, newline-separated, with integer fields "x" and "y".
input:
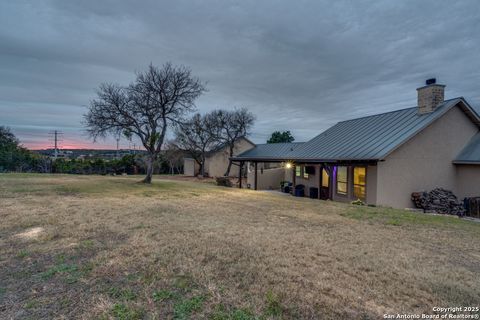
{"x": 105, "y": 247}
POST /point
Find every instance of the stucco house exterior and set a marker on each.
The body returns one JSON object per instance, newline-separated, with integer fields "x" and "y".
{"x": 382, "y": 159}
{"x": 216, "y": 162}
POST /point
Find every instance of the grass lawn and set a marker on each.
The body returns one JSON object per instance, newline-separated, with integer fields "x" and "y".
{"x": 96, "y": 247}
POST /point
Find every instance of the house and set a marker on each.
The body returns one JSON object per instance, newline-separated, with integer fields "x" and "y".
{"x": 217, "y": 160}
{"x": 381, "y": 159}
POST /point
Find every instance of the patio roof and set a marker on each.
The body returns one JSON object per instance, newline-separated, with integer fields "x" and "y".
{"x": 270, "y": 151}
{"x": 471, "y": 153}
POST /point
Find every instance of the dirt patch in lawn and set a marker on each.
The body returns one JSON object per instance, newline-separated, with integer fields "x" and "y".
{"x": 30, "y": 233}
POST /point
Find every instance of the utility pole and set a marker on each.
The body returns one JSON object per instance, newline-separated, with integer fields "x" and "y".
{"x": 56, "y": 143}
{"x": 118, "y": 139}
{"x": 56, "y": 140}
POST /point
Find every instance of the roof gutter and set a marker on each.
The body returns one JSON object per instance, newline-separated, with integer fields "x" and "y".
{"x": 466, "y": 162}
{"x": 336, "y": 161}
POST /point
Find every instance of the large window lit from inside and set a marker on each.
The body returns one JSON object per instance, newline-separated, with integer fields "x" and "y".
{"x": 359, "y": 174}
{"x": 342, "y": 180}
{"x": 324, "y": 178}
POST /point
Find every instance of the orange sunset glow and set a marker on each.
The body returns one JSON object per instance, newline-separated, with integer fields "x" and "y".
{"x": 39, "y": 144}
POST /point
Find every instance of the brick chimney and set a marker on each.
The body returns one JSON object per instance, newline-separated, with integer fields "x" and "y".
{"x": 430, "y": 96}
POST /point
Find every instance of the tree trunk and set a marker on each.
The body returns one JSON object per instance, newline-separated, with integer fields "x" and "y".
{"x": 203, "y": 166}
{"x": 227, "y": 173}
{"x": 150, "y": 162}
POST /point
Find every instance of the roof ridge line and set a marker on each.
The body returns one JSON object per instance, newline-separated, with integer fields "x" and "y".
{"x": 403, "y": 109}
{"x": 277, "y": 143}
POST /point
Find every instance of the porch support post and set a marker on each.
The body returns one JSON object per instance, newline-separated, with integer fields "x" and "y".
{"x": 294, "y": 176}
{"x": 240, "y": 175}
{"x": 320, "y": 171}
{"x": 330, "y": 183}
{"x": 256, "y": 175}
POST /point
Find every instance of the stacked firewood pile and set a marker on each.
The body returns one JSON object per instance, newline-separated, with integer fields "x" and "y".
{"x": 438, "y": 200}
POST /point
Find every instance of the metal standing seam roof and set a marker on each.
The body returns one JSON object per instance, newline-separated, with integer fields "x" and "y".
{"x": 470, "y": 153}
{"x": 270, "y": 150}
{"x": 367, "y": 138}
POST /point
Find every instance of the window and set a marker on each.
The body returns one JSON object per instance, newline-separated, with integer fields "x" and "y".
{"x": 342, "y": 180}
{"x": 359, "y": 174}
{"x": 324, "y": 178}
{"x": 298, "y": 171}
{"x": 305, "y": 172}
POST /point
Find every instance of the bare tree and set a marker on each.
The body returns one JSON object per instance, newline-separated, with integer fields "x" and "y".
{"x": 198, "y": 136}
{"x": 159, "y": 98}
{"x": 233, "y": 125}
{"x": 174, "y": 157}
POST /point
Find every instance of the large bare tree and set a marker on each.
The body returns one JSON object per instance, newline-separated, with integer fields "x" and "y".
{"x": 197, "y": 136}
{"x": 233, "y": 125}
{"x": 157, "y": 99}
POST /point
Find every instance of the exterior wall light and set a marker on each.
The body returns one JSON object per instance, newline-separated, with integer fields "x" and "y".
{"x": 288, "y": 165}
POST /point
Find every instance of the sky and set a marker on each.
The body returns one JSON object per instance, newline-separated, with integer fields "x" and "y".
{"x": 297, "y": 65}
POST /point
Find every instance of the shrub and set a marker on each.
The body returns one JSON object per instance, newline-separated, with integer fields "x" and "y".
{"x": 223, "y": 181}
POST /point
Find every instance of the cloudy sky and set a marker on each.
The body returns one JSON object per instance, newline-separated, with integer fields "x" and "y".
{"x": 298, "y": 65}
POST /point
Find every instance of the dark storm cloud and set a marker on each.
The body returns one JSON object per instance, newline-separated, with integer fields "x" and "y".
{"x": 299, "y": 66}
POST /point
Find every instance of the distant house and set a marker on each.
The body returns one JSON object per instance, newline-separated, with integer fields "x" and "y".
{"x": 382, "y": 159}
{"x": 217, "y": 160}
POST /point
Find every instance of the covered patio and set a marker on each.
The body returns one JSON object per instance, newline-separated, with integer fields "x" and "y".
{"x": 322, "y": 179}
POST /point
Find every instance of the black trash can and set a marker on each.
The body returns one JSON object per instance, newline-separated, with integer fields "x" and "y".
{"x": 283, "y": 185}
{"x": 299, "y": 190}
{"x": 287, "y": 187}
{"x": 313, "y": 193}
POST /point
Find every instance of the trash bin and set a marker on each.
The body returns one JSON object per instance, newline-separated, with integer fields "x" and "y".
{"x": 313, "y": 193}
{"x": 299, "y": 190}
{"x": 472, "y": 207}
{"x": 287, "y": 187}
